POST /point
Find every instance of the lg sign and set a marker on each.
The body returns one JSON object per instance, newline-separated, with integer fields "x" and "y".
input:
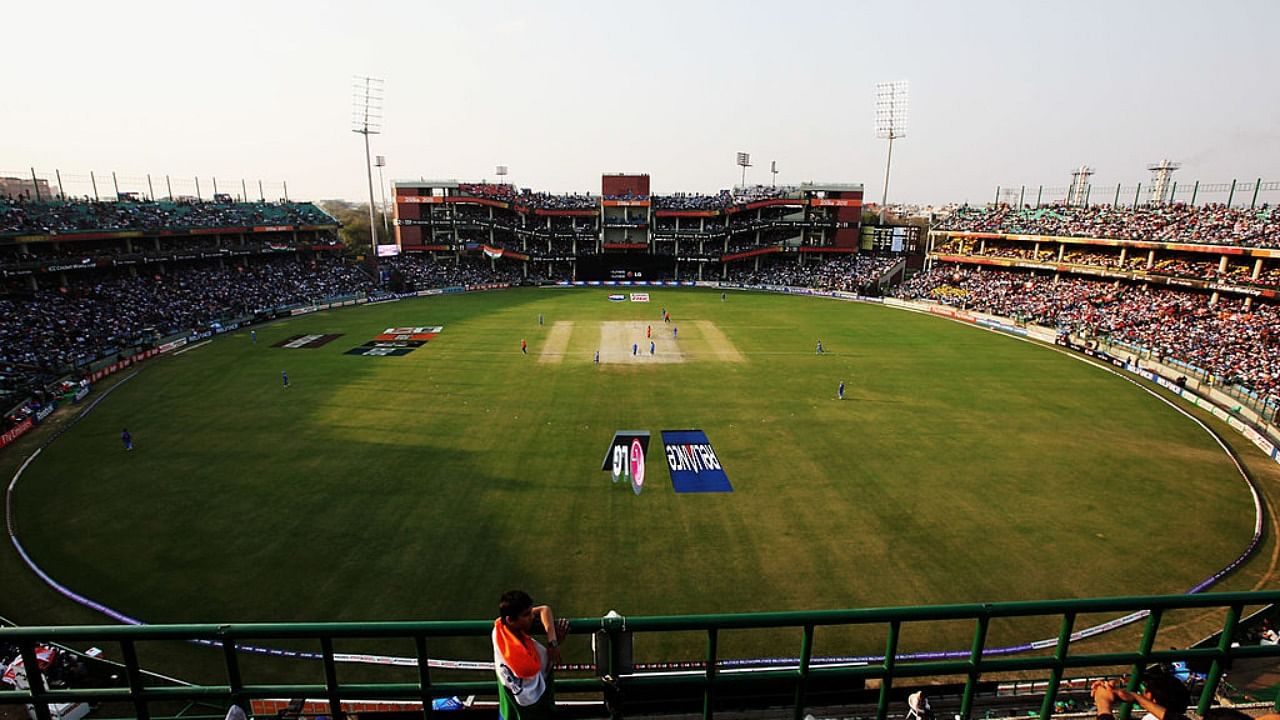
{"x": 694, "y": 465}
{"x": 625, "y": 457}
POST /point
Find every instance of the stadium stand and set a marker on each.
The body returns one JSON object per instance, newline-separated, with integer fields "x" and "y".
{"x": 1177, "y": 222}
{"x": 849, "y": 273}
{"x": 1238, "y": 344}
{"x": 19, "y": 217}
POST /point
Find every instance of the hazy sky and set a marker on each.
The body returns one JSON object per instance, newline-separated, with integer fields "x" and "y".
{"x": 1001, "y": 92}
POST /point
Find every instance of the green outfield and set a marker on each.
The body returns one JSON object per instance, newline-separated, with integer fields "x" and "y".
{"x": 962, "y": 466}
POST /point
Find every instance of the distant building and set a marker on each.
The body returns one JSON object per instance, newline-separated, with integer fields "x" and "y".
{"x": 25, "y": 188}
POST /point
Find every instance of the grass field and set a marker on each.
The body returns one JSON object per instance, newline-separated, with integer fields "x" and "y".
{"x": 962, "y": 466}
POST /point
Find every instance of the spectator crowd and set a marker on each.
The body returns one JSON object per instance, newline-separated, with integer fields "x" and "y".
{"x": 850, "y": 273}
{"x": 21, "y": 217}
{"x": 1174, "y": 222}
{"x": 527, "y": 198}
{"x": 1238, "y": 345}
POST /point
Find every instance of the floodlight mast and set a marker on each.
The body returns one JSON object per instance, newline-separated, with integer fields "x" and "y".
{"x": 366, "y": 119}
{"x": 381, "y": 161}
{"x": 891, "y": 123}
{"x": 744, "y": 159}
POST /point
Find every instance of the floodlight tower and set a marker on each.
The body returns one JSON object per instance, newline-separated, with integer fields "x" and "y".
{"x": 381, "y": 162}
{"x": 1079, "y": 189}
{"x": 366, "y": 119}
{"x": 744, "y": 159}
{"x": 1162, "y": 181}
{"x": 502, "y": 171}
{"x": 891, "y": 124}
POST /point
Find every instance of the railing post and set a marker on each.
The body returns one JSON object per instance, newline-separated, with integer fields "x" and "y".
{"x": 1144, "y": 650}
{"x": 134, "y": 676}
{"x": 1059, "y": 662}
{"x": 1257, "y": 185}
{"x": 975, "y": 663}
{"x": 1231, "y": 195}
{"x": 233, "y": 676}
{"x": 708, "y": 696}
{"x": 890, "y": 661}
{"x": 424, "y": 674}
{"x": 1116, "y": 202}
{"x": 35, "y": 680}
{"x": 997, "y": 195}
{"x": 331, "y": 679}
{"x": 35, "y": 184}
{"x": 806, "y": 651}
{"x": 1215, "y": 670}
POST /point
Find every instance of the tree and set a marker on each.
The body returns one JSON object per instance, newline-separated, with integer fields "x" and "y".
{"x": 354, "y": 217}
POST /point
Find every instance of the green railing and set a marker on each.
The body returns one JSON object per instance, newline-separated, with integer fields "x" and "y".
{"x": 715, "y": 677}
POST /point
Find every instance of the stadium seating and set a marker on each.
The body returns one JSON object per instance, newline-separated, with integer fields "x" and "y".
{"x": 43, "y": 218}
{"x": 1177, "y": 222}
{"x": 1237, "y": 344}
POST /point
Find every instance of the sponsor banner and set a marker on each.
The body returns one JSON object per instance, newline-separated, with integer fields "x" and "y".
{"x": 377, "y": 349}
{"x": 304, "y": 310}
{"x": 617, "y": 297}
{"x": 397, "y": 341}
{"x": 45, "y": 411}
{"x": 306, "y": 341}
{"x": 693, "y": 462}
{"x": 400, "y": 334}
{"x": 1002, "y": 327}
{"x": 639, "y": 297}
{"x": 751, "y": 253}
{"x": 16, "y": 432}
{"x": 625, "y": 203}
{"x": 625, "y": 458}
{"x": 1263, "y": 444}
{"x": 83, "y": 392}
{"x": 173, "y": 345}
{"x": 1220, "y": 413}
{"x": 1236, "y": 424}
{"x": 835, "y": 202}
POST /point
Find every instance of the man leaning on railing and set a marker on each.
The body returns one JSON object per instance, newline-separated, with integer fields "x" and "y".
{"x": 522, "y": 664}
{"x": 1161, "y": 695}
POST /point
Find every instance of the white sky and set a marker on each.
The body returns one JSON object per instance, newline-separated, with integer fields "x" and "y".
{"x": 1001, "y": 92}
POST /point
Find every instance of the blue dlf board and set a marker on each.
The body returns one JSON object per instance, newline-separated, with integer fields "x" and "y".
{"x": 693, "y": 463}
